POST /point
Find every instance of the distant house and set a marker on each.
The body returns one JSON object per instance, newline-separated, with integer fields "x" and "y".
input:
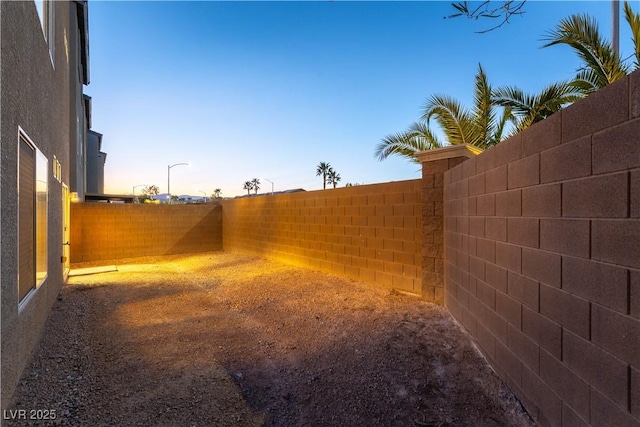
{"x": 44, "y": 63}
{"x": 95, "y": 163}
{"x": 90, "y": 160}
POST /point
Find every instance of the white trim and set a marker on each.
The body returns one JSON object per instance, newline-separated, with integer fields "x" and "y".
{"x": 25, "y": 301}
{"x": 21, "y": 302}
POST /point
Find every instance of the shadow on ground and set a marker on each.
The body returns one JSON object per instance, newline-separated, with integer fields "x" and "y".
{"x": 232, "y": 340}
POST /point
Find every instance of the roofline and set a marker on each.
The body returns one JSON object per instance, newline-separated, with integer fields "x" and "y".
{"x": 87, "y": 108}
{"x": 82, "y": 11}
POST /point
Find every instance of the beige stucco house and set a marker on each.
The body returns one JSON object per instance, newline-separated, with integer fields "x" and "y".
{"x": 43, "y": 130}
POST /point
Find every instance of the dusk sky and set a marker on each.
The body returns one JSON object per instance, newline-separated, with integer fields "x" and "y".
{"x": 244, "y": 90}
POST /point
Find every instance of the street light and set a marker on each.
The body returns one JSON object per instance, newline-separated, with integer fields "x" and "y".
{"x": 205, "y": 195}
{"x": 615, "y": 26}
{"x": 134, "y": 191}
{"x": 268, "y": 180}
{"x": 136, "y": 186}
{"x": 169, "y": 176}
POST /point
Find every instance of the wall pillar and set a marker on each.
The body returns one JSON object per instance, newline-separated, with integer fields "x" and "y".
{"x": 434, "y": 164}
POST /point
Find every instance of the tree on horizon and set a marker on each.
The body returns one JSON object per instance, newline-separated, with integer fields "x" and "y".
{"x": 322, "y": 170}
{"x": 333, "y": 177}
{"x": 248, "y": 185}
{"x": 255, "y": 183}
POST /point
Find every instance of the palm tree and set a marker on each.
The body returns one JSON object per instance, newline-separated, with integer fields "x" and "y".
{"x": 323, "y": 169}
{"x": 482, "y": 126}
{"x": 217, "y": 193}
{"x": 530, "y": 109}
{"x": 255, "y": 182}
{"x": 601, "y": 64}
{"x": 634, "y": 22}
{"x": 333, "y": 177}
{"x": 248, "y": 185}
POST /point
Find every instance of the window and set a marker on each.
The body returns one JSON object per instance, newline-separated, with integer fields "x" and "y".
{"x": 32, "y": 216}
{"x": 46, "y": 10}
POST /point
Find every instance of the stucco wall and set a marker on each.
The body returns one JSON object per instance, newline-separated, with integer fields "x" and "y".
{"x": 542, "y": 259}
{"x": 103, "y": 231}
{"x": 35, "y": 96}
{"x": 367, "y": 232}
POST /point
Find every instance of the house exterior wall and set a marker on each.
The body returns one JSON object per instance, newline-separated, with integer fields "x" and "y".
{"x": 95, "y": 163}
{"x": 105, "y": 231}
{"x": 368, "y": 232}
{"x": 35, "y": 96}
{"x": 78, "y": 119}
{"x": 542, "y": 259}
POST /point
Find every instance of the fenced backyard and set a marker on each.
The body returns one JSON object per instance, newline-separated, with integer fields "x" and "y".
{"x": 533, "y": 246}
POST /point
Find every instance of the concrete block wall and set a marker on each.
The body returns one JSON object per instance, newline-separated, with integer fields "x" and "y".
{"x": 434, "y": 165}
{"x": 542, "y": 259}
{"x": 367, "y": 232}
{"x": 103, "y": 231}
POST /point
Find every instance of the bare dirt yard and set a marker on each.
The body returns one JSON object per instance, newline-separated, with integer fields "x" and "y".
{"x": 221, "y": 339}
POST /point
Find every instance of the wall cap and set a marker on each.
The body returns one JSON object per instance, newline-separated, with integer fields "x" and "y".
{"x": 451, "y": 152}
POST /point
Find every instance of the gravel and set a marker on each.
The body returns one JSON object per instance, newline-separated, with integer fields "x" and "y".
{"x": 220, "y": 339}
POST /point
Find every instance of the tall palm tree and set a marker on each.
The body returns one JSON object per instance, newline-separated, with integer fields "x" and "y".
{"x": 323, "y": 169}
{"x": 530, "y": 109}
{"x": 216, "y": 193}
{"x": 601, "y": 64}
{"x": 482, "y": 125}
{"x": 333, "y": 177}
{"x": 248, "y": 185}
{"x": 255, "y": 182}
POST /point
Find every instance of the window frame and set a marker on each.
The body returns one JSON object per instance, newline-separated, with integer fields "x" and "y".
{"x": 46, "y": 13}
{"x": 41, "y": 207}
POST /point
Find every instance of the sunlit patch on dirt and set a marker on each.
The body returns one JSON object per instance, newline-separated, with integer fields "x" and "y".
{"x": 227, "y": 339}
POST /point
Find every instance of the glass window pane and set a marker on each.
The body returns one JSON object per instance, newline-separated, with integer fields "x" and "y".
{"x": 26, "y": 224}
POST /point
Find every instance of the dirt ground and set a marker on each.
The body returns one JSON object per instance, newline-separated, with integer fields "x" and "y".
{"x": 221, "y": 339}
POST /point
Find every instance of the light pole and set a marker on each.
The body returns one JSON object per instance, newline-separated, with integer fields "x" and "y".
{"x": 169, "y": 176}
{"x": 268, "y": 180}
{"x": 615, "y": 26}
{"x": 134, "y": 191}
{"x": 205, "y": 195}
{"x": 136, "y": 186}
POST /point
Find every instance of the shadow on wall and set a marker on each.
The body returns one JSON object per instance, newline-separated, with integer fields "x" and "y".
{"x": 103, "y": 232}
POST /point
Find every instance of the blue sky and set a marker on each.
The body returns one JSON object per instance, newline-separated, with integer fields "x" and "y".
{"x": 244, "y": 90}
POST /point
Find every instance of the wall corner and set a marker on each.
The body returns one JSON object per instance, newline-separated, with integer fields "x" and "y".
{"x": 434, "y": 165}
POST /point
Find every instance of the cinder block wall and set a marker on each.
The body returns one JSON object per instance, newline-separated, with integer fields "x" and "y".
{"x": 432, "y": 226}
{"x": 542, "y": 259}
{"x": 367, "y": 232}
{"x": 103, "y": 231}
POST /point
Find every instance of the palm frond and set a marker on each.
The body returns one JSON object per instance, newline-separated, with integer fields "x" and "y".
{"x": 483, "y": 110}
{"x": 408, "y": 143}
{"x": 451, "y": 116}
{"x": 633, "y": 20}
{"x": 582, "y": 34}
{"x": 498, "y": 133}
{"x": 531, "y": 109}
